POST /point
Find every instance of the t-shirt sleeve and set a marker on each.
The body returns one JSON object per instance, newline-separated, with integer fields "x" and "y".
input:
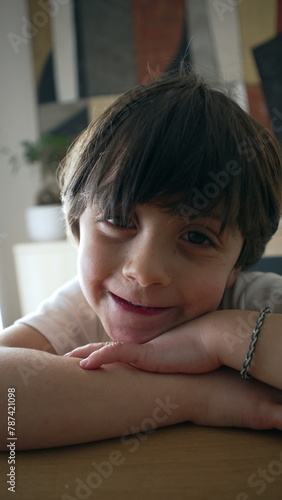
{"x": 253, "y": 291}
{"x": 66, "y": 319}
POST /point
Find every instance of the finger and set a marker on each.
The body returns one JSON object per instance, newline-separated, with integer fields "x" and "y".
{"x": 85, "y": 350}
{"x": 135, "y": 354}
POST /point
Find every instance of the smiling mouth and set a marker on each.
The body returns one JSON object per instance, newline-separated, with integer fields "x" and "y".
{"x": 130, "y": 306}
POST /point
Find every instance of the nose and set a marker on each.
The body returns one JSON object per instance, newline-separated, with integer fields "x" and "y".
{"x": 147, "y": 264}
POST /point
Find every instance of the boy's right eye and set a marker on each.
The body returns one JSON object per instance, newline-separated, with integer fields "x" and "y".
{"x": 120, "y": 222}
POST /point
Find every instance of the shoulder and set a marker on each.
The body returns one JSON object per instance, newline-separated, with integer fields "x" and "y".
{"x": 66, "y": 319}
{"x": 66, "y": 296}
{"x": 253, "y": 291}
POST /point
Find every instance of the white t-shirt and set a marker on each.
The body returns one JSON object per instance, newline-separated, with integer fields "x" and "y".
{"x": 67, "y": 321}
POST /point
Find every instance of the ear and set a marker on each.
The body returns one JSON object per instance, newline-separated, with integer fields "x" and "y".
{"x": 232, "y": 276}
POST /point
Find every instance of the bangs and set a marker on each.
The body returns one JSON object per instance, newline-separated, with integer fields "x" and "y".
{"x": 189, "y": 170}
{"x": 184, "y": 147}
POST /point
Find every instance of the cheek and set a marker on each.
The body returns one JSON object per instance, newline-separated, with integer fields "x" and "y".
{"x": 205, "y": 292}
{"x": 96, "y": 261}
{"x": 213, "y": 292}
{"x": 89, "y": 262}
{"x": 91, "y": 273}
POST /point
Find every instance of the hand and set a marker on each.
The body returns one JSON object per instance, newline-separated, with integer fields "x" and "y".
{"x": 219, "y": 398}
{"x": 181, "y": 350}
{"x": 224, "y": 399}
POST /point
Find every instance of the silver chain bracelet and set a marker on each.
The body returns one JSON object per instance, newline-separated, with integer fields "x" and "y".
{"x": 249, "y": 356}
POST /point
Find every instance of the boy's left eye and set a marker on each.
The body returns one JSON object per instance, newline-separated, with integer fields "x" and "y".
{"x": 197, "y": 238}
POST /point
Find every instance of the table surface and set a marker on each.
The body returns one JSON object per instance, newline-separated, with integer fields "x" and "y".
{"x": 177, "y": 462}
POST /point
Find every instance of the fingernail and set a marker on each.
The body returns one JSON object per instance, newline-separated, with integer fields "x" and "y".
{"x": 83, "y": 363}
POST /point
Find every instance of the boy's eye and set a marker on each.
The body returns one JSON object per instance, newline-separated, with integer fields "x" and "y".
{"x": 119, "y": 221}
{"x": 197, "y": 238}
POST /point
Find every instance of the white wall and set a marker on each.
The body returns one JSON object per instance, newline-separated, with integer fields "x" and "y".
{"x": 18, "y": 122}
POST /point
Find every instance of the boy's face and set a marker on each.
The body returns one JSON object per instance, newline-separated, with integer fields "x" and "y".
{"x": 156, "y": 273}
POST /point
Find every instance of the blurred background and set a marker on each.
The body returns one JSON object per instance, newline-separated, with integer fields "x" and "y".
{"x": 62, "y": 62}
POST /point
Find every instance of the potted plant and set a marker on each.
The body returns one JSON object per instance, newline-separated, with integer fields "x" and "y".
{"x": 44, "y": 220}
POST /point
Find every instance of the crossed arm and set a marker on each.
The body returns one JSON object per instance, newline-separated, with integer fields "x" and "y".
{"x": 202, "y": 345}
{"x": 58, "y": 403}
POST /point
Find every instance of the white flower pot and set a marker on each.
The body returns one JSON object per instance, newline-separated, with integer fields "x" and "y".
{"x": 45, "y": 223}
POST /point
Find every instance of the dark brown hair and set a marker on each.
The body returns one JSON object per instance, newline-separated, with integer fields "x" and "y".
{"x": 186, "y": 147}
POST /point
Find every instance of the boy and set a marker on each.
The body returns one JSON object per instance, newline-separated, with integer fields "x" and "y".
{"x": 170, "y": 195}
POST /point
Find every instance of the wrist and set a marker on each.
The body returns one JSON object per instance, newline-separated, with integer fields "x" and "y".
{"x": 211, "y": 329}
{"x": 233, "y": 335}
{"x": 227, "y": 335}
{"x": 254, "y": 339}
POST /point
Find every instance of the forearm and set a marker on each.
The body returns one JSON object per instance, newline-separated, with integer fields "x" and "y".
{"x": 231, "y": 333}
{"x": 58, "y": 403}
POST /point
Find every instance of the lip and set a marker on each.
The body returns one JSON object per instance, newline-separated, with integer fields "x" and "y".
{"x": 136, "y": 308}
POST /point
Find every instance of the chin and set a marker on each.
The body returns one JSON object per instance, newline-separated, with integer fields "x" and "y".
{"x": 133, "y": 337}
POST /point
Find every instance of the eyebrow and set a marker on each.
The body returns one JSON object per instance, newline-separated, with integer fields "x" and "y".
{"x": 214, "y": 217}
{"x": 217, "y": 219}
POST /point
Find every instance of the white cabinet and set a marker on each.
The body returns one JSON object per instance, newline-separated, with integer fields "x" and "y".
{"x": 41, "y": 268}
